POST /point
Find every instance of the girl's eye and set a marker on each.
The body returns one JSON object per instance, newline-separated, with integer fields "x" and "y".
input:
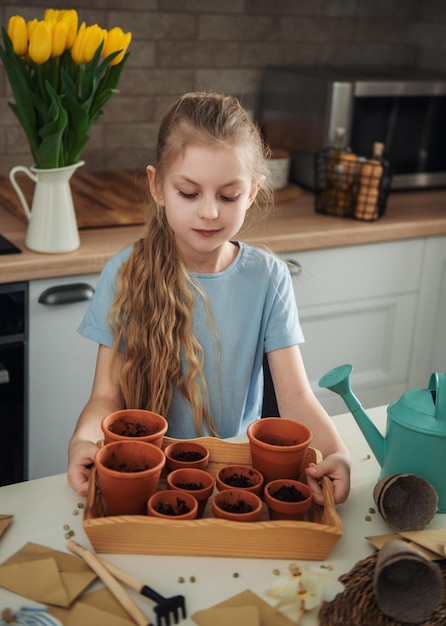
{"x": 230, "y": 198}
{"x": 189, "y": 196}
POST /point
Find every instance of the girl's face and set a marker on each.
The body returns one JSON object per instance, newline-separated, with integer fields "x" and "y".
{"x": 206, "y": 193}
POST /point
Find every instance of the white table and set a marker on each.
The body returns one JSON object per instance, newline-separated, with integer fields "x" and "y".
{"x": 42, "y": 507}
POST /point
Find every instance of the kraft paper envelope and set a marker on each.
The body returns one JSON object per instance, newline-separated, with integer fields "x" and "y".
{"x": 45, "y": 575}
{"x": 93, "y": 609}
{"x": 434, "y": 539}
{"x": 431, "y": 543}
{"x": 5, "y": 520}
{"x": 267, "y": 615}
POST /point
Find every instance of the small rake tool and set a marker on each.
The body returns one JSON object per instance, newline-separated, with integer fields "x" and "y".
{"x": 165, "y": 607}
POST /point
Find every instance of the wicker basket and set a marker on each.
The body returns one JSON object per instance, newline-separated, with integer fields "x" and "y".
{"x": 348, "y": 186}
{"x": 311, "y": 539}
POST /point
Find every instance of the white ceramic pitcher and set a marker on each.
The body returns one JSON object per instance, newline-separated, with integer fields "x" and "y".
{"x": 52, "y": 224}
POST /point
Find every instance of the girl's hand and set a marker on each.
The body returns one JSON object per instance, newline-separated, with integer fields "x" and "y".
{"x": 337, "y": 468}
{"x": 80, "y": 462}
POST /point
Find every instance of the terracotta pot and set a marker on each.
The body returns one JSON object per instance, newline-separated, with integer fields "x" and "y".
{"x": 128, "y": 473}
{"x": 243, "y": 477}
{"x": 282, "y": 509}
{"x": 234, "y": 498}
{"x": 189, "y": 479}
{"x": 186, "y": 448}
{"x": 134, "y": 424}
{"x": 278, "y": 447}
{"x": 175, "y": 500}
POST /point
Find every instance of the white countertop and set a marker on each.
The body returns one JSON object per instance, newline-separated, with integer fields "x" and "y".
{"x": 42, "y": 507}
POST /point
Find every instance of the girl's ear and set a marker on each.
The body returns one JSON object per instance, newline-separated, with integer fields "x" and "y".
{"x": 157, "y": 193}
{"x": 255, "y": 189}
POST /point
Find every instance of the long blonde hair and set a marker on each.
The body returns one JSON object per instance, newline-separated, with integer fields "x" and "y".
{"x": 154, "y": 303}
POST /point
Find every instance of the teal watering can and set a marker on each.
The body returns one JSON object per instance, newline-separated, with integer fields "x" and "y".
{"x": 415, "y": 440}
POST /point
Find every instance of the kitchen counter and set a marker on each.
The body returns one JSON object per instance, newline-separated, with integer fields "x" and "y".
{"x": 293, "y": 226}
{"x": 42, "y": 508}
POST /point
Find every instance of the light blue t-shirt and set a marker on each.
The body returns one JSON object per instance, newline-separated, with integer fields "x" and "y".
{"x": 254, "y": 310}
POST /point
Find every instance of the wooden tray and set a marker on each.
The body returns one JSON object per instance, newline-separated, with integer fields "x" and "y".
{"x": 312, "y": 539}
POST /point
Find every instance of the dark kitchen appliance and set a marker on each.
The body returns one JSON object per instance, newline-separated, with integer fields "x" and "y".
{"x": 299, "y": 109}
{"x": 13, "y": 359}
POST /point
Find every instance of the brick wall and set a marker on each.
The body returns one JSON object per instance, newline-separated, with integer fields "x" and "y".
{"x": 183, "y": 45}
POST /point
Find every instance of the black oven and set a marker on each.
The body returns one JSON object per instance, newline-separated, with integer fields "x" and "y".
{"x": 13, "y": 373}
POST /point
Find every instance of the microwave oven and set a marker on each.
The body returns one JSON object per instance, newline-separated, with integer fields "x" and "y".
{"x": 299, "y": 109}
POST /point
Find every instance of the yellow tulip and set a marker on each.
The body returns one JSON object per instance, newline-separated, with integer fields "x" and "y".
{"x": 31, "y": 26}
{"x": 18, "y": 34}
{"x": 116, "y": 40}
{"x": 68, "y": 17}
{"x": 88, "y": 40}
{"x": 59, "y": 34}
{"x": 40, "y": 43}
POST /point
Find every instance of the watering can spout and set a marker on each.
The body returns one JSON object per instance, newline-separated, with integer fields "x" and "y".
{"x": 338, "y": 381}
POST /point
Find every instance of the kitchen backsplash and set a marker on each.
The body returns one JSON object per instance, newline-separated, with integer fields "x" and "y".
{"x": 185, "y": 45}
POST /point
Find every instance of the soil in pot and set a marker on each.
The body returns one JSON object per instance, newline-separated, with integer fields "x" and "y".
{"x": 240, "y": 477}
{"x": 134, "y": 424}
{"x": 288, "y": 493}
{"x": 181, "y": 454}
{"x": 173, "y": 504}
{"x": 178, "y": 508}
{"x": 187, "y": 456}
{"x": 237, "y": 507}
{"x": 121, "y": 465}
{"x": 125, "y": 428}
{"x": 189, "y": 486}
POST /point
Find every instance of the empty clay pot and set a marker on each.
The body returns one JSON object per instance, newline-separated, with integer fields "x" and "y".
{"x": 281, "y": 508}
{"x": 189, "y": 479}
{"x": 406, "y": 501}
{"x": 173, "y": 504}
{"x": 128, "y": 473}
{"x": 186, "y": 453}
{"x": 243, "y": 477}
{"x": 278, "y": 447}
{"x": 134, "y": 424}
{"x": 408, "y": 587}
{"x": 233, "y": 504}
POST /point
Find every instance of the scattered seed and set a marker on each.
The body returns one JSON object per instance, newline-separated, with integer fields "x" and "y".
{"x": 329, "y": 567}
{"x": 66, "y": 527}
{"x": 192, "y": 579}
{"x": 69, "y": 534}
{"x": 367, "y": 457}
{"x": 276, "y": 572}
{"x": 368, "y": 518}
{"x": 80, "y": 505}
{"x": 235, "y": 575}
{"x": 75, "y": 512}
{"x": 372, "y": 510}
{"x": 180, "y": 579}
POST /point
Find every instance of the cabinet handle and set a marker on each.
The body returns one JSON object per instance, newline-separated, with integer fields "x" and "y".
{"x": 66, "y": 294}
{"x": 294, "y": 267}
{"x": 4, "y": 375}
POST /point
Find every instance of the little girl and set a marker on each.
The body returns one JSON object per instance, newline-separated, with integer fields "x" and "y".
{"x": 184, "y": 317}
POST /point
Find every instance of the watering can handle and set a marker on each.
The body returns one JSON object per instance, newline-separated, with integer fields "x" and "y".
{"x": 24, "y": 170}
{"x": 437, "y": 383}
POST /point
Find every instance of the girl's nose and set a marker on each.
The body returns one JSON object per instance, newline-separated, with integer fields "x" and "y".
{"x": 208, "y": 209}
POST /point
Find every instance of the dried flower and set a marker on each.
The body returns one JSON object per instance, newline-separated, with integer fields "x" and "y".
{"x": 61, "y": 78}
{"x": 306, "y": 586}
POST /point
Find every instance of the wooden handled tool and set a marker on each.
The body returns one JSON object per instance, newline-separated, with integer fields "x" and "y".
{"x": 111, "y": 583}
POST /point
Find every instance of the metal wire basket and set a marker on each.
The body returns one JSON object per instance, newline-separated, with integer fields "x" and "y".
{"x": 351, "y": 186}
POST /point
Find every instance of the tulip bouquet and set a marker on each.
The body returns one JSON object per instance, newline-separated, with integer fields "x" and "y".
{"x": 61, "y": 77}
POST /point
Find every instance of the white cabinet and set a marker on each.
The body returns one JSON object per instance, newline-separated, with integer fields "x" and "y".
{"x": 358, "y": 305}
{"x": 60, "y": 369}
{"x": 429, "y": 351}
